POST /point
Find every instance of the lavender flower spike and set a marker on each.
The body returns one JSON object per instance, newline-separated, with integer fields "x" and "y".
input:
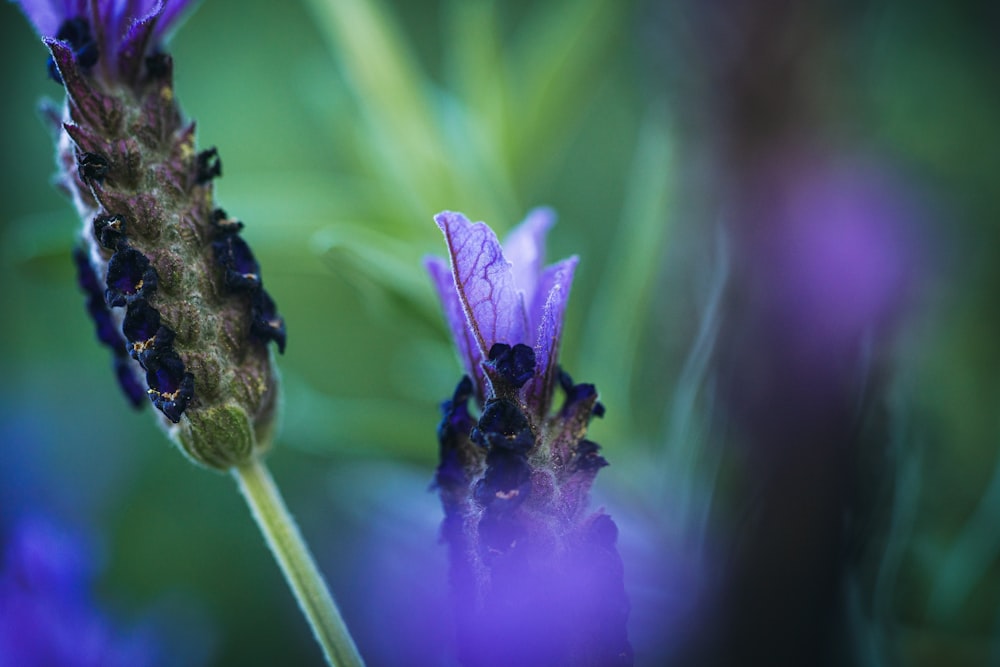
{"x": 536, "y": 578}
{"x": 174, "y": 290}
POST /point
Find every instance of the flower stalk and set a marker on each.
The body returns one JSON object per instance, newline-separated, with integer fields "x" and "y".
{"x": 296, "y": 562}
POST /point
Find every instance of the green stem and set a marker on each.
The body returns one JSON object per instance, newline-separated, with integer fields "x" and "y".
{"x": 297, "y": 564}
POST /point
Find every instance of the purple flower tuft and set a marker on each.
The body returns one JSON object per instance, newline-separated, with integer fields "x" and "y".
{"x": 491, "y": 297}
{"x": 536, "y": 580}
{"x": 117, "y": 33}
{"x": 235, "y": 257}
{"x": 130, "y": 276}
{"x": 170, "y": 387}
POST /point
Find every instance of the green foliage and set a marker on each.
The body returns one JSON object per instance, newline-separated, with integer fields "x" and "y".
{"x": 343, "y": 127}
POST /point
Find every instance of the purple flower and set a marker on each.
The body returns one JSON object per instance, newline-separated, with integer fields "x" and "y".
{"x": 47, "y": 614}
{"x": 493, "y": 294}
{"x": 536, "y": 578}
{"x": 113, "y": 35}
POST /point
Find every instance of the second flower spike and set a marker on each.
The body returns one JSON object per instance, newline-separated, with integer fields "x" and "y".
{"x": 536, "y": 578}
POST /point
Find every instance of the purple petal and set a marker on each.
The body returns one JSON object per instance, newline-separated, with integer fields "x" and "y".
{"x": 457, "y": 322}
{"x": 524, "y": 248}
{"x": 135, "y": 43}
{"x": 47, "y": 15}
{"x": 546, "y": 316}
{"x": 47, "y": 612}
{"x": 484, "y": 282}
{"x": 171, "y": 17}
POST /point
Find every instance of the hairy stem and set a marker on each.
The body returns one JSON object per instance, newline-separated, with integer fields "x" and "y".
{"x": 297, "y": 564}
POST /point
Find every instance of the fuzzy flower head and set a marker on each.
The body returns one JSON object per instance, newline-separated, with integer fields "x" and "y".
{"x": 174, "y": 290}
{"x": 495, "y": 294}
{"x": 536, "y": 578}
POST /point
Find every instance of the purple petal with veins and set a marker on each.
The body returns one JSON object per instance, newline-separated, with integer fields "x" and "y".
{"x": 524, "y": 248}
{"x": 468, "y": 350}
{"x": 488, "y": 299}
{"x": 546, "y": 314}
{"x": 484, "y": 282}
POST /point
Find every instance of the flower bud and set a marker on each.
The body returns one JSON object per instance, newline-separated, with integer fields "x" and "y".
{"x": 173, "y": 288}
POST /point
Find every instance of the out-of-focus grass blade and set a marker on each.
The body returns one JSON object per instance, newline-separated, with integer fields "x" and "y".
{"x": 365, "y": 256}
{"x": 694, "y": 374}
{"x": 392, "y": 92}
{"x": 974, "y": 552}
{"x": 621, "y": 306}
{"x": 689, "y": 464}
{"x": 477, "y": 74}
{"x": 907, "y": 456}
{"x": 553, "y": 65}
{"x": 39, "y": 245}
{"x": 316, "y": 422}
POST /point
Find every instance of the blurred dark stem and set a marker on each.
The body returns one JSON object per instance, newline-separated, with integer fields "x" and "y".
{"x": 762, "y": 94}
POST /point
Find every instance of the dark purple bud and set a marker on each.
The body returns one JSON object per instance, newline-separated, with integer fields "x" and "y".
{"x": 130, "y": 276}
{"x": 503, "y": 425}
{"x": 85, "y": 274}
{"x": 223, "y": 224}
{"x": 578, "y": 392}
{"x": 507, "y": 481}
{"x": 209, "y": 165}
{"x": 512, "y": 365}
{"x": 170, "y": 387}
{"x": 265, "y": 324}
{"x": 456, "y": 424}
{"x": 498, "y": 532}
{"x": 76, "y": 32}
{"x": 87, "y": 55}
{"x": 585, "y": 457}
{"x": 142, "y": 321}
{"x": 242, "y": 273}
{"x": 130, "y": 383}
{"x": 148, "y": 339}
{"x": 160, "y": 66}
{"x": 109, "y": 230}
{"x": 107, "y": 333}
{"x": 92, "y": 167}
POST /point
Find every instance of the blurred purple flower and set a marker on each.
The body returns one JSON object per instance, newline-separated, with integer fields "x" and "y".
{"x": 840, "y": 255}
{"x": 47, "y": 613}
{"x": 118, "y": 34}
{"x": 536, "y": 579}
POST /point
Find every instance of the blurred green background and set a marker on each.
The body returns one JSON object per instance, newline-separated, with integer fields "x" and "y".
{"x": 344, "y": 127}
